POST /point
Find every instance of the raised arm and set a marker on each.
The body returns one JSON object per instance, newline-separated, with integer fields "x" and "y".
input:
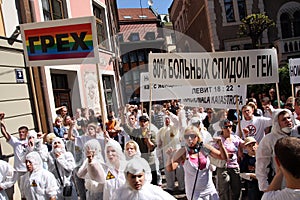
{"x": 174, "y": 158}
{"x": 219, "y": 154}
{"x": 3, "y": 128}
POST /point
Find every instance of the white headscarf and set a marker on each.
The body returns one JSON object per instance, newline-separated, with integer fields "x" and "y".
{"x": 138, "y": 151}
{"x": 114, "y": 144}
{"x": 94, "y": 145}
{"x": 138, "y": 165}
{"x": 33, "y": 134}
{"x": 62, "y": 149}
{"x": 35, "y": 160}
{"x": 275, "y": 125}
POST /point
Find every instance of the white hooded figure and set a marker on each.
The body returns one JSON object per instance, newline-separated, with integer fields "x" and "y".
{"x": 39, "y": 183}
{"x": 36, "y": 144}
{"x": 92, "y": 170}
{"x": 132, "y": 150}
{"x": 8, "y": 177}
{"x": 283, "y": 126}
{"x": 114, "y": 168}
{"x": 62, "y": 163}
{"x": 136, "y": 186}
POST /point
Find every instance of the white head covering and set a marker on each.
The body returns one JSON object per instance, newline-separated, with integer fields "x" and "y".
{"x": 114, "y": 144}
{"x": 58, "y": 139}
{"x": 138, "y": 152}
{"x": 32, "y": 133}
{"x": 35, "y": 159}
{"x": 94, "y": 145}
{"x": 138, "y": 165}
{"x": 275, "y": 126}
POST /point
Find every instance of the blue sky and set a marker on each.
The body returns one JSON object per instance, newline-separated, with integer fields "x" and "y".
{"x": 161, "y": 6}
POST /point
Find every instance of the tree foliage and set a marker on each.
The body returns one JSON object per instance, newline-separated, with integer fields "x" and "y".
{"x": 284, "y": 84}
{"x": 254, "y": 25}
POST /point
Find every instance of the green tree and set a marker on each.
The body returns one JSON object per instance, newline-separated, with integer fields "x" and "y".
{"x": 253, "y": 26}
{"x": 284, "y": 84}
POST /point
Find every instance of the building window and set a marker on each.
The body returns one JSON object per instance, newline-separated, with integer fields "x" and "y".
{"x": 242, "y": 9}
{"x": 150, "y": 36}
{"x": 54, "y": 9}
{"x": 296, "y": 24}
{"x": 286, "y": 28}
{"x": 235, "y": 10}
{"x": 134, "y": 37}
{"x": 110, "y": 93}
{"x": 99, "y": 13}
{"x": 229, "y": 10}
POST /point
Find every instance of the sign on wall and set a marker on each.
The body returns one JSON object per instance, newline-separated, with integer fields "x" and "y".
{"x": 218, "y": 96}
{"x": 68, "y": 41}
{"x": 294, "y": 69}
{"x": 220, "y": 68}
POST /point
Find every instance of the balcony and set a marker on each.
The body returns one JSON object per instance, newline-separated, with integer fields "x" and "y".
{"x": 287, "y": 48}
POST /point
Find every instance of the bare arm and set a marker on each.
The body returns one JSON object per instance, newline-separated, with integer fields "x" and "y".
{"x": 174, "y": 158}
{"x": 3, "y": 128}
{"x": 70, "y": 132}
{"x": 219, "y": 154}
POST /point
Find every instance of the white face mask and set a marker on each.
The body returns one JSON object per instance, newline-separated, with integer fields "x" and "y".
{"x": 287, "y": 130}
{"x": 58, "y": 150}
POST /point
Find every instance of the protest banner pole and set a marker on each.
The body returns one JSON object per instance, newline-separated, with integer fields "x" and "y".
{"x": 150, "y": 98}
{"x": 238, "y": 118}
{"x": 103, "y": 117}
{"x": 293, "y": 92}
{"x": 278, "y": 96}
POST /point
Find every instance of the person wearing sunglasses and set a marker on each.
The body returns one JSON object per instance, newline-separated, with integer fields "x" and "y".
{"x": 229, "y": 182}
{"x": 196, "y": 164}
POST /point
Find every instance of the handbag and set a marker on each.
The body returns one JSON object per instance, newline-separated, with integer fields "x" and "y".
{"x": 67, "y": 190}
{"x": 218, "y": 162}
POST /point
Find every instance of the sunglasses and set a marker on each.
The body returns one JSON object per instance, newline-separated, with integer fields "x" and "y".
{"x": 192, "y": 136}
{"x": 229, "y": 126}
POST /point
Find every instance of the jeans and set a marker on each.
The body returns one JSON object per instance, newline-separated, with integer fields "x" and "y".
{"x": 229, "y": 183}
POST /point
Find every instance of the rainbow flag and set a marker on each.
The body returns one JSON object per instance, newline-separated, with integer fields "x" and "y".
{"x": 61, "y": 42}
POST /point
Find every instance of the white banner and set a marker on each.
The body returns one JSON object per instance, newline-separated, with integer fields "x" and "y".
{"x": 221, "y": 96}
{"x": 294, "y": 69}
{"x": 220, "y": 68}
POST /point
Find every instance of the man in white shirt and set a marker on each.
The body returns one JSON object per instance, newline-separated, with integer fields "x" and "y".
{"x": 19, "y": 146}
{"x": 253, "y": 126}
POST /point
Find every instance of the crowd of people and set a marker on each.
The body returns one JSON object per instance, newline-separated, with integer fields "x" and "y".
{"x": 212, "y": 153}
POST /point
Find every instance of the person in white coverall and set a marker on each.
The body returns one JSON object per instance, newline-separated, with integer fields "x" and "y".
{"x": 8, "y": 177}
{"x": 283, "y": 126}
{"x": 136, "y": 186}
{"x": 62, "y": 163}
{"x": 92, "y": 171}
{"x": 39, "y": 183}
{"x": 109, "y": 174}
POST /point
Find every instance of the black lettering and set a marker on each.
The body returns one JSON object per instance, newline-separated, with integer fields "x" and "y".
{"x": 79, "y": 41}
{"x": 46, "y": 42}
{"x": 31, "y": 41}
{"x": 60, "y": 42}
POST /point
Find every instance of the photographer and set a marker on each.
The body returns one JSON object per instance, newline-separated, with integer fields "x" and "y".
{"x": 196, "y": 163}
